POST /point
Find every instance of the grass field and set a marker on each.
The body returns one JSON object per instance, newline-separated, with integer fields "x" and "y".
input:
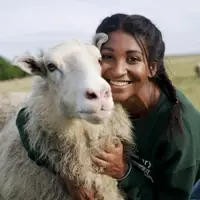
{"x": 179, "y": 68}
{"x": 181, "y": 72}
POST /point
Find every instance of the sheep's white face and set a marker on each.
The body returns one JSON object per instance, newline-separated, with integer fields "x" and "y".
{"x": 73, "y": 74}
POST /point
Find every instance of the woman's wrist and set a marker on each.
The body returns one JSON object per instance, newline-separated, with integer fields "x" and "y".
{"x": 128, "y": 168}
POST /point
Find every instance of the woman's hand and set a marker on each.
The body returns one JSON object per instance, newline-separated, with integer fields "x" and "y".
{"x": 77, "y": 192}
{"x": 112, "y": 161}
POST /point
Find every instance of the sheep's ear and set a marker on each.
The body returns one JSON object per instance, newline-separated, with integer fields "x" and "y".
{"x": 99, "y": 39}
{"x": 30, "y": 65}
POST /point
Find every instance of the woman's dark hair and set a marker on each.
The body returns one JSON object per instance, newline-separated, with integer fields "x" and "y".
{"x": 151, "y": 42}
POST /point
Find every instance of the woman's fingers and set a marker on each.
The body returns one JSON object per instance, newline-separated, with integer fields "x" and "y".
{"x": 99, "y": 162}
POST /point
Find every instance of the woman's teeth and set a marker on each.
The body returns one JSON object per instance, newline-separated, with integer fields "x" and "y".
{"x": 120, "y": 83}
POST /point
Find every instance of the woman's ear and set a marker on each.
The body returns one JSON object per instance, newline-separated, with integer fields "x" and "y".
{"x": 152, "y": 69}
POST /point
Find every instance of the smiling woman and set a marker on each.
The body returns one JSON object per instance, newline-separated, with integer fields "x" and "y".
{"x": 166, "y": 162}
{"x": 124, "y": 66}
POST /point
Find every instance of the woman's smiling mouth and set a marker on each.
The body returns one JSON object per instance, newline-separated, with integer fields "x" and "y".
{"x": 119, "y": 83}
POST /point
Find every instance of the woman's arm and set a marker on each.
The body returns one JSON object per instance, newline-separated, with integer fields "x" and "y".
{"x": 176, "y": 168}
{"x": 174, "y": 172}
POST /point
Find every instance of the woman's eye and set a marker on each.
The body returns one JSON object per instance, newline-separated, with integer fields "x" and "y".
{"x": 104, "y": 56}
{"x": 51, "y": 67}
{"x": 132, "y": 60}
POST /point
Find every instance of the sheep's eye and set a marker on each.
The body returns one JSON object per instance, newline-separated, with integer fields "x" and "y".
{"x": 51, "y": 67}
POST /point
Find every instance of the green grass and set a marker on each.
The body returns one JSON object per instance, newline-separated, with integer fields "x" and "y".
{"x": 179, "y": 68}
{"x": 181, "y": 72}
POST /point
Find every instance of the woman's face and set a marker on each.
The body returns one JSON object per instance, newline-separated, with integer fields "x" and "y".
{"x": 124, "y": 65}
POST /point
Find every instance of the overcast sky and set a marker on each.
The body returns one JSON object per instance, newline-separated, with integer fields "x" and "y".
{"x": 27, "y": 25}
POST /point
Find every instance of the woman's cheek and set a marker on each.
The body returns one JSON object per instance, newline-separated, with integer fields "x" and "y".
{"x": 104, "y": 68}
{"x": 139, "y": 73}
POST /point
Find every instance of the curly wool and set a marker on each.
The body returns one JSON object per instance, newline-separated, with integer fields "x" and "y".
{"x": 68, "y": 144}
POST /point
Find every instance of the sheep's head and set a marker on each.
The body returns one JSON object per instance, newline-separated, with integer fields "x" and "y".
{"x": 72, "y": 73}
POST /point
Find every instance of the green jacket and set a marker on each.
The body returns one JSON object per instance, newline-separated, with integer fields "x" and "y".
{"x": 164, "y": 168}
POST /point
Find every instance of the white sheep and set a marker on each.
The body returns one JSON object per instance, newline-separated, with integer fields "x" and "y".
{"x": 71, "y": 116}
{"x": 9, "y": 103}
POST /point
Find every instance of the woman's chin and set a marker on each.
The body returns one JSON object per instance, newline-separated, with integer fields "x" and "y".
{"x": 120, "y": 97}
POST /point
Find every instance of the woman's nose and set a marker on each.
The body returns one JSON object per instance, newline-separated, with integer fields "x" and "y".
{"x": 120, "y": 68}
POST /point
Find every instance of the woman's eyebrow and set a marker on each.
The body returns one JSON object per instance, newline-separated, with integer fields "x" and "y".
{"x": 128, "y": 51}
{"x": 134, "y": 51}
{"x": 107, "y": 48}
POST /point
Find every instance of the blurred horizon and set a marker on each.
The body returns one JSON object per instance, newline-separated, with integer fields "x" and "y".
{"x": 30, "y": 26}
